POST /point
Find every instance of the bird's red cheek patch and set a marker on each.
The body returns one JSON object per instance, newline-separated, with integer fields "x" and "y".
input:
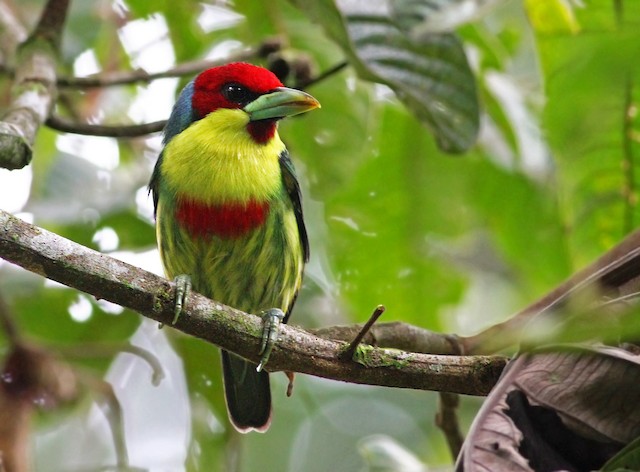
{"x": 230, "y": 220}
{"x": 262, "y": 131}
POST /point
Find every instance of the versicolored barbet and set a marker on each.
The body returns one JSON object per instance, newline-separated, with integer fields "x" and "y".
{"x": 228, "y": 212}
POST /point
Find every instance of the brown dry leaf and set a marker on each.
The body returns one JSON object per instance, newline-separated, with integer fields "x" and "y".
{"x": 567, "y": 408}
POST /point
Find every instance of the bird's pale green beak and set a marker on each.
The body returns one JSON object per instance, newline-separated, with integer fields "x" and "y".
{"x": 280, "y": 103}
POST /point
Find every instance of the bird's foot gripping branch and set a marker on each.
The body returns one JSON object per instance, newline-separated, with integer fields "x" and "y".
{"x": 272, "y": 320}
{"x": 315, "y": 353}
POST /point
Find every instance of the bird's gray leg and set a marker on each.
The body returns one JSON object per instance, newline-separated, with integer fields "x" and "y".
{"x": 183, "y": 288}
{"x": 272, "y": 320}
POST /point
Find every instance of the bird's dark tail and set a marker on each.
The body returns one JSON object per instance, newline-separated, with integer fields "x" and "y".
{"x": 248, "y": 394}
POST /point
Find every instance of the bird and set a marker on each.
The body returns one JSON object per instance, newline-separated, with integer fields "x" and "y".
{"x": 229, "y": 219}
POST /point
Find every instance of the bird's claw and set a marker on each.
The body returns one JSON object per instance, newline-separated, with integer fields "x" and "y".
{"x": 183, "y": 287}
{"x": 272, "y": 319}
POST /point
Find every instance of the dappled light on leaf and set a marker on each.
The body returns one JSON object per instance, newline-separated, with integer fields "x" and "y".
{"x": 423, "y": 18}
{"x": 429, "y": 75}
{"x": 553, "y": 16}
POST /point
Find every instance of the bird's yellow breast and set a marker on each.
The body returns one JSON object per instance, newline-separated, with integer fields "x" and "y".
{"x": 215, "y": 160}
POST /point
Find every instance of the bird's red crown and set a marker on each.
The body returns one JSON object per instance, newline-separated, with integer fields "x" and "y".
{"x": 211, "y": 88}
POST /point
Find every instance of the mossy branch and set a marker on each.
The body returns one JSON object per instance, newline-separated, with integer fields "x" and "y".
{"x": 64, "y": 261}
{"x": 34, "y": 89}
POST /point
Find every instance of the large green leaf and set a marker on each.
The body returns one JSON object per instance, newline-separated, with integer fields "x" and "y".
{"x": 591, "y": 87}
{"x": 424, "y": 17}
{"x": 430, "y": 75}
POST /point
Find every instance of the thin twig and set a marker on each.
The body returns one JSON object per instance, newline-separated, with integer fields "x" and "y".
{"x": 187, "y": 68}
{"x": 629, "y": 190}
{"x": 615, "y": 274}
{"x": 397, "y": 335}
{"x": 120, "y": 131}
{"x": 348, "y": 353}
{"x": 111, "y": 79}
{"x": 112, "y": 411}
{"x": 447, "y": 421}
{"x": 95, "y": 350}
{"x": 136, "y": 131}
{"x": 322, "y": 76}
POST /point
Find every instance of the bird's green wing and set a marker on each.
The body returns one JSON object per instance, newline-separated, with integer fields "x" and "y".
{"x": 293, "y": 189}
{"x": 154, "y": 184}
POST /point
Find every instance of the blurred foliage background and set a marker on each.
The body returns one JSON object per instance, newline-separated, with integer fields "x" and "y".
{"x": 450, "y": 242}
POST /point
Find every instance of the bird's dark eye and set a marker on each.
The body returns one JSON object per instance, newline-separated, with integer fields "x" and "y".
{"x": 237, "y": 93}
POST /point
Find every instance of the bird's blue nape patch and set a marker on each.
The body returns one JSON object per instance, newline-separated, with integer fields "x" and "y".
{"x": 182, "y": 114}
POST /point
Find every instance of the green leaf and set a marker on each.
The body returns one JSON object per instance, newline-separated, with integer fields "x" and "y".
{"x": 424, "y": 17}
{"x": 627, "y": 459}
{"x": 552, "y": 16}
{"x": 430, "y": 75}
{"x": 391, "y": 208}
{"x": 590, "y": 128}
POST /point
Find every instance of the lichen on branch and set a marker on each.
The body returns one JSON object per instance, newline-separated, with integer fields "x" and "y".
{"x": 104, "y": 277}
{"x": 34, "y": 89}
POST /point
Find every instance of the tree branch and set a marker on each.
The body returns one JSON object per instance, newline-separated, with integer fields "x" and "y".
{"x": 397, "y": 335}
{"x": 119, "y": 78}
{"x": 613, "y": 276}
{"x": 64, "y": 261}
{"x": 116, "y": 131}
{"x": 34, "y": 89}
{"x": 447, "y": 420}
{"x": 51, "y": 22}
{"x": 188, "y": 68}
{"x": 323, "y": 75}
{"x": 12, "y": 33}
